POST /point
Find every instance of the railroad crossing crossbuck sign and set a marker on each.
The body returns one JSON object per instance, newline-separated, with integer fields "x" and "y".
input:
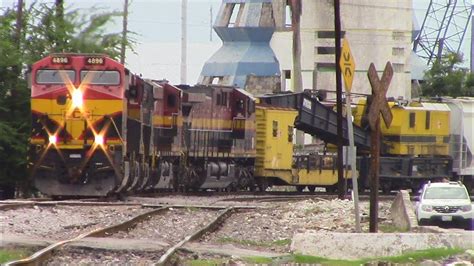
{"x": 347, "y": 65}
{"x": 379, "y": 90}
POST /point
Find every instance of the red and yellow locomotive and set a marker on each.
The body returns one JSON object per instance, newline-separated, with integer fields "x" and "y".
{"x": 219, "y": 138}
{"x": 98, "y": 129}
{"x": 91, "y": 119}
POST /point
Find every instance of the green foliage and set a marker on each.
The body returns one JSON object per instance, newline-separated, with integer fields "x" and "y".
{"x": 281, "y": 242}
{"x": 446, "y": 78}
{"x": 419, "y": 255}
{"x": 411, "y": 258}
{"x": 12, "y": 254}
{"x": 43, "y": 32}
{"x": 258, "y": 260}
{"x": 210, "y": 262}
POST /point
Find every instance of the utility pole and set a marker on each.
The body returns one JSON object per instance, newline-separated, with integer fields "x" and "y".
{"x": 124, "y": 32}
{"x": 210, "y": 23}
{"x": 59, "y": 5}
{"x": 19, "y": 23}
{"x": 341, "y": 188}
{"x": 347, "y": 65}
{"x": 184, "y": 39}
{"x": 297, "y": 82}
{"x": 472, "y": 43}
{"x": 18, "y": 30}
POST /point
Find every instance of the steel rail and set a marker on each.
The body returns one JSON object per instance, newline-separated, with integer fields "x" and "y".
{"x": 44, "y": 254}
{"x": 11, "y": 206}
{"x": 165, "y": 258}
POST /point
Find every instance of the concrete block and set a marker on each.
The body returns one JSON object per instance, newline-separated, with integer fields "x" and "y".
{"x": 353, "y": 246}
{"x": 402, "y": 212}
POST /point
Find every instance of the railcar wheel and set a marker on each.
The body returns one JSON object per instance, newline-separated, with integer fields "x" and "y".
{"x": 331, "y": 189}
{"x": 386, "y": 187}
{"x": 135, "y": 175}
{"x": 262, "y": 184}
{"x": 300, "y": 188}
{"x": 311, "y": 188}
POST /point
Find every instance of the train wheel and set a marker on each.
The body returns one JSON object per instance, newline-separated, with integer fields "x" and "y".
{"x": 145, "y": 178}
{"x": 135, "y": 175}
{"x": 311, "y": 188}
{"x": 262, "y": 184}
{"x": 300, "y": 188}
{"x": 331, "y": 189}
{"x": 232, "y": 188}
{"x": 386, "y": 187}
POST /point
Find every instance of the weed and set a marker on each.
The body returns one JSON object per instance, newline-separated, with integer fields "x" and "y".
{"x": 390, "y": 228}
{"x": 281, "y": 242}
{"x": 258, "y": 260}
{"x": 12, "y": 254}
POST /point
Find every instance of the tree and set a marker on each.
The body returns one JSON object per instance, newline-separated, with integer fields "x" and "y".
{"x": 447, "y": 78}
{"x": 44, "y": 29}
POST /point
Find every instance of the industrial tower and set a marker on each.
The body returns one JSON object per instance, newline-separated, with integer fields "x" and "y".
{"x": 443, "y": 28}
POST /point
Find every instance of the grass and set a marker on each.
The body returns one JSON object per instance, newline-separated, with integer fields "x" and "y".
{"x": 281, "y": 242}
{"x": 12, "y": 254}
{"x": 258, "y": 260}
{"x": 432, "y": 254}
{"x": 213, "y": 262}
{"x": 412, "y": 257}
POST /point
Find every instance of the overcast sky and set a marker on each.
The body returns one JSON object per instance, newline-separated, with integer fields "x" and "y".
{"x": 158, "y": 33}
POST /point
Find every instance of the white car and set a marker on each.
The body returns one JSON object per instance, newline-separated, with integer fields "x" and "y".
{"x": 443, "y": 203}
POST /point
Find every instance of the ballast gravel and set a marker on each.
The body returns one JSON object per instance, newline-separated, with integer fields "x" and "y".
{"x": 271, "y": 229}
{"x": 172, "y": 226}
{"x": 72, "y": 256}
{"x": 63, "y": 222}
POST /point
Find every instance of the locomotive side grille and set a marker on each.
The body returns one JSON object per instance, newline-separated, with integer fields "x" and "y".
{"x": 261, "y": 135}
{"x": 446, "y": 209}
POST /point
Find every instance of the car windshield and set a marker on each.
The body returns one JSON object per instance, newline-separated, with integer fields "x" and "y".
{"x": 100, "y": 77}
{"x": 54, "y": 76}
{"x": 445, "y": 193}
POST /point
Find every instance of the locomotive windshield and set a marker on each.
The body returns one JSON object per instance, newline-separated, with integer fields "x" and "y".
{"x": 54, "y": 76}
{"x": 100, "y": 77}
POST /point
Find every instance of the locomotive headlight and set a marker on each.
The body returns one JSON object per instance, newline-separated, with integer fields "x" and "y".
{"x": 53, "y": 139}
{"x": 99, "y": 139}
{"x": 77, "y": 100}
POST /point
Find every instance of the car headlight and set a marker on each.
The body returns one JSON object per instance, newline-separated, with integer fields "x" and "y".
{"x": 466, "y": 208}
{"x": 427, "y": 208}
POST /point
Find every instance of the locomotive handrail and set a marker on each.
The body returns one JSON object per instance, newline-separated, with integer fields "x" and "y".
{"x": 316, "y": 119}
{"x": 116, "y": 129}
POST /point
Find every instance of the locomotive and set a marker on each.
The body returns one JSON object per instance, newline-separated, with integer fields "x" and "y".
{"x": 98, "y": 129}
{"x": 88, "y": 113}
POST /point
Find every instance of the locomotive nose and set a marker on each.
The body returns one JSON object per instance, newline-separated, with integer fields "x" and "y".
{"x": 75, "y": 172}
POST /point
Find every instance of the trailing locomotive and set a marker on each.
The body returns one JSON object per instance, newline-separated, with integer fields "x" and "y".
{"x": 98, "y": 129}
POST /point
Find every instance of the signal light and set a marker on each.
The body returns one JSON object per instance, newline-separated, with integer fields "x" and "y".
{"x": 99, "y": 139}
{"x": 53, "y": 139}
{"x": 77, "y": 100}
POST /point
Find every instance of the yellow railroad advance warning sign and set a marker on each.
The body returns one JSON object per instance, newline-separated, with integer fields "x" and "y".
{"x": 347, "y": 65}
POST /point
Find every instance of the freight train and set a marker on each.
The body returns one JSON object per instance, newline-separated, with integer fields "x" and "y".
{"x": 98, "y": 129}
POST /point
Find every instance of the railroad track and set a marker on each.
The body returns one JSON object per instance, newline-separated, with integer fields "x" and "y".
{"x": 137, "y": 230}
